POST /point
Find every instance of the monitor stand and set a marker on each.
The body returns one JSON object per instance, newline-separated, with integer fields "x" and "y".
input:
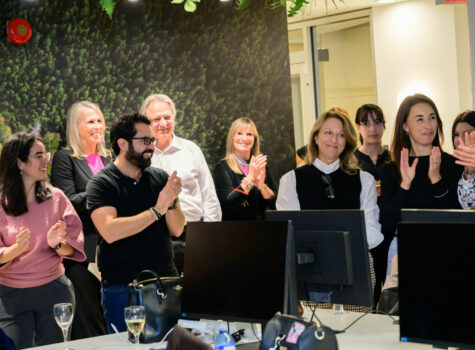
{"x": 340, "y": 310}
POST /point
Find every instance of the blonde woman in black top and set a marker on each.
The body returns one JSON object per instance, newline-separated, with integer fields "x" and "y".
{"x": 243, "y": 181}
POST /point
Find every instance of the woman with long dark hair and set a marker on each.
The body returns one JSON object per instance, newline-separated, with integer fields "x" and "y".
{"x": 38, "y": 228}
{"x": 372, "y": 157}
{"x": 421, "y": 175}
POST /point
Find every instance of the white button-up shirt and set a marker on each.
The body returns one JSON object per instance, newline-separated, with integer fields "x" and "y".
{"x": 287, "y": 198}
{"x": 198, "y": 199}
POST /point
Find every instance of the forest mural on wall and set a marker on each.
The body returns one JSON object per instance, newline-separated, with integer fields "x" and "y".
{"x": 217, "y": 64}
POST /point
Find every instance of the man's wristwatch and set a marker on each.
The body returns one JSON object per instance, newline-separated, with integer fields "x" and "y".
{"x": 174, "y": 204}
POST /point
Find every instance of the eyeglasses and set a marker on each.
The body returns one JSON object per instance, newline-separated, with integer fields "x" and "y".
{"x": 147, "y": 140}
{"x": 329, "y": 191}
{"x": 42, "y": 156}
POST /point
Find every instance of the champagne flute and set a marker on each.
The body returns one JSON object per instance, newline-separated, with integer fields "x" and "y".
{"x": 63, "y": 314}
{"x": 135, "y": 320}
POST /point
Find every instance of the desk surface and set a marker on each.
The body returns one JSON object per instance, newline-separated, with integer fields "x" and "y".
{"x": 371, "y": 332}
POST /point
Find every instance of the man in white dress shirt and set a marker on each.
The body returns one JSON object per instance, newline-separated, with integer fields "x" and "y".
{"x": 198, "y": 198}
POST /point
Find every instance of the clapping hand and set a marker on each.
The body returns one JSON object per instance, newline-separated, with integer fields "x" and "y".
{"x": 407, "y": 172}
{"x": 56, "y": 234}
{"x": 434, "y": 165}
{"x": 260, "y": 163}
{"x": 23, "y": 239}
{"x": 465, "y": 152}
{"x": 169, "y": 193}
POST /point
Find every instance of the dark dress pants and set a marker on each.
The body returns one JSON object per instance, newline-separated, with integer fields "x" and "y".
{"x": 26, "y": 314}
{"x": 88, "y": 319}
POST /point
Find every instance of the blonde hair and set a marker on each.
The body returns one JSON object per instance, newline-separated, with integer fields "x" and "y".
{"x": 72, "y": 129}
{"x": 348, "y": 161}
{"x": 159, "y": 97}
{"x": 235, "y": 126}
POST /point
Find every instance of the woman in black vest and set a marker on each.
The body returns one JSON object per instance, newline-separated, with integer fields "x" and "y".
{"x": 421, "y": 175}
{"x": 243, "y": 181}
{"x": 331, "y": 178}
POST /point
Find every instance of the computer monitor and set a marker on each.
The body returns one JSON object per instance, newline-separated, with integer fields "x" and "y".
{"x": 337, "y": 240}
{"x": 437, "y": 215}
{"x": 239, "y": 271}
{"x": 436, "y": 263}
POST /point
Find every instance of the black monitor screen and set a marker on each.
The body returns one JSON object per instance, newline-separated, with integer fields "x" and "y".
{"x": 337, "y": 240}
{"x": 436, "y": 283}
{"x": 437, "y": 215}
{"x": 235, "y": 270}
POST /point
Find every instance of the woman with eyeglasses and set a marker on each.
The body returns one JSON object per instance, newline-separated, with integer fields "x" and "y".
{"x": 243, "y": 181}
{"x": 463, "y": 138}
{"x": 421, "y": 175}
{"x": 71, "y": 170}
{"x": 38, "y": 229}
{"x": 372, "y": 158}
{"x": 331, "y": 178}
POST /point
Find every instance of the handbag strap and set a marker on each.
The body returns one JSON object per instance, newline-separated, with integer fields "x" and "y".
{"x": 139, "y": 278}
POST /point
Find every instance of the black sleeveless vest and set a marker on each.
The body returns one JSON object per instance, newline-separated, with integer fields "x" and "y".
{"x": 311, "y": 189}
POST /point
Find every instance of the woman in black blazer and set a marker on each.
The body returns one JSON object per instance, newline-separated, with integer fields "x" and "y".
{"x": 71, "y": 170}
{"x": 243, "y": 181}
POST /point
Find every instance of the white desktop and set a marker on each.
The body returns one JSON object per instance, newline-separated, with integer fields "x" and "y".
{"x": 372, "y": 332}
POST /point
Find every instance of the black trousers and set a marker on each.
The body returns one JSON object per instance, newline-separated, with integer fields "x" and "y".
{"x": 26, "y": 314}
{"x": 88, "y": 319}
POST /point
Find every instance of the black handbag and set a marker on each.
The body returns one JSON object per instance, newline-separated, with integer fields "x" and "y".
{"x": 294, "y": 333}
{"x": 162, "y": 300}
{"x": 389, "y": 301}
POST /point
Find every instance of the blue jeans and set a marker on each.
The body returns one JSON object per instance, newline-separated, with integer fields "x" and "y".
{"x": 391, "y": 252}
{"x": 114, "y": 299}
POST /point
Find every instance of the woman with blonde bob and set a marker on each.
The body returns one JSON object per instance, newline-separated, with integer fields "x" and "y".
{"x": 71, "y": 170}
{"x": 330, "y": 178}
{"x": 243, "y": 181}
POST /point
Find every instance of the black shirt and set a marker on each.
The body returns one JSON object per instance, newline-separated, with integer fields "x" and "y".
{"x": 366, "y": 164}
{"x": 422, "y": 194}
{"x": 235, "y": 204}
{"x": 121, "y": 261}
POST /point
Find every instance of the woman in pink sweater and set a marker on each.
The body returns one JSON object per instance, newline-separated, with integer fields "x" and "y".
{"x": 38, "y": 228}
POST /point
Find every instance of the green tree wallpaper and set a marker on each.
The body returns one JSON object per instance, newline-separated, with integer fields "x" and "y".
{"x": 217, "y": 64}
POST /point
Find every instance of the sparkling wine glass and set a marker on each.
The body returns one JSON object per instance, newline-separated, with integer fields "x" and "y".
{"x": 63, "y": 314}
{"x": 135, "y": 320}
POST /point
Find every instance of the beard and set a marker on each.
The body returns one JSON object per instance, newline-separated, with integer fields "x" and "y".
{"x": 138, "y": 159}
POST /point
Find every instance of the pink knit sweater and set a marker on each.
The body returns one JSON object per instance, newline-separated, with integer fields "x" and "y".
{"x": 40, "y": 264}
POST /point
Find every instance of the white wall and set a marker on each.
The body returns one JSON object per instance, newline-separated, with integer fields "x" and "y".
{"x": 415, "y": 48}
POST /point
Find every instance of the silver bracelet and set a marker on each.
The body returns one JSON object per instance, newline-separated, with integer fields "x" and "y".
{"x": 155, "y": 213}
{"x": 248, "y": 183}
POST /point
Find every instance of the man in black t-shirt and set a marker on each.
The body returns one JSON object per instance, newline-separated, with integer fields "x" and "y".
{"x": 134, "y": 207}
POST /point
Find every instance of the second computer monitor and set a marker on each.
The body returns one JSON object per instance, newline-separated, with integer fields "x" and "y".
{"x": 337, "y": 241}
